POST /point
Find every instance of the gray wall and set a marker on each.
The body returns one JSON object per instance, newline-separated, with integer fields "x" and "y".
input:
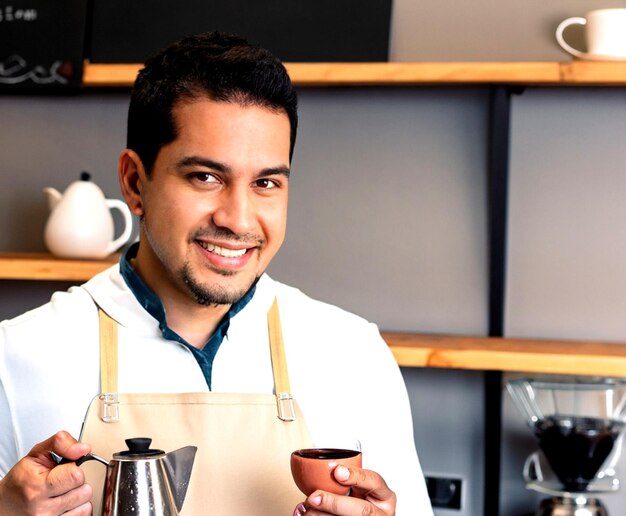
{"x": 568, "y": 216}
{"x": 387, "y": 214}
{"x": 387, "y": 219}
{"x": 485, "y": 30}
{"x": 393, "y": 192}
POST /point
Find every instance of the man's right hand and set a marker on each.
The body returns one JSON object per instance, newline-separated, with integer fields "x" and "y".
{"x": 37, "y": 485}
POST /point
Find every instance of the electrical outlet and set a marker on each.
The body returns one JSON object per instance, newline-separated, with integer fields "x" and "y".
{"x": 444, "y": 493}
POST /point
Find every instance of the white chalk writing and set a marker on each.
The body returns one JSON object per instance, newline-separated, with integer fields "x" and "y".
{"x": 9, "y": 14}
{"x": 15, "y": 70}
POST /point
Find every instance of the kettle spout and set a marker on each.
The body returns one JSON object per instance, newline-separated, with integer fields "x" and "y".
{"x": 179, "y": 464}
{"x": 53, "y": 196}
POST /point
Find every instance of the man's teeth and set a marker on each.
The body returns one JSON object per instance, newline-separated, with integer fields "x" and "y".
{"x": 222, "y": 251}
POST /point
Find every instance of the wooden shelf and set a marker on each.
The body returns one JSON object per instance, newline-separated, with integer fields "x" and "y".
{"x": 42, "y": 266}
{"x": 409, "y": 349}
{"x": 507, "y": 354}
{"x": 572, "y": 73}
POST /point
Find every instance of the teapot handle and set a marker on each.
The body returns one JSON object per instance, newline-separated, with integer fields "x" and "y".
{"x": 561, "y": 40}
{"x": 128, "y": 224}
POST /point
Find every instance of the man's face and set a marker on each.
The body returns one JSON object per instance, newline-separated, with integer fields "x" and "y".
{"x": 214, "y": 208}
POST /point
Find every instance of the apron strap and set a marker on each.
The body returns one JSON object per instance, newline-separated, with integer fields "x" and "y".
{"x": 109, "y": 366}
{"x": 284, "y": 399}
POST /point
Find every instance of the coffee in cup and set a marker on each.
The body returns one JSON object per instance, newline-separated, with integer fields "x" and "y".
{"x": 605, "y": 34}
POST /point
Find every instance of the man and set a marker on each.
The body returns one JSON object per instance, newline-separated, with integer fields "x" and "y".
{"x": 211, "y": 131}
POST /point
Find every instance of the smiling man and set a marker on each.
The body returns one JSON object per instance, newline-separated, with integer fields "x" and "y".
{"x": 213, "y": 208}
{"x": 188, "y": 340}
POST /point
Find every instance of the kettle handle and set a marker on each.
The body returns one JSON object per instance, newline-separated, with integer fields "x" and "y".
{"x": 90, "y": 456}
{"x": 128, "y": 224}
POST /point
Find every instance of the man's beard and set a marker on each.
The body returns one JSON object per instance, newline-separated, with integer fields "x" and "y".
{"x": 211, "y": 294}
{"x": 204, "y": 294}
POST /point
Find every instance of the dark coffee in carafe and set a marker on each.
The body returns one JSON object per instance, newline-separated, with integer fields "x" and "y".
{"x": 576, "y": 447}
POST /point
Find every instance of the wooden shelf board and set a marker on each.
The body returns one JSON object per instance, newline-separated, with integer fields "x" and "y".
{"x": 407, "y": 74}
{"x": 593, "y": 73}
{"x": 573, "y": 73}
{"x": 42, "y": 266}
{"x": 508, "y": 354}
{"x": 109, "y": 75}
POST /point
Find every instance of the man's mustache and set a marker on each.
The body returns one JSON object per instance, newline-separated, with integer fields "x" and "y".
{"x": 226, "y": 234}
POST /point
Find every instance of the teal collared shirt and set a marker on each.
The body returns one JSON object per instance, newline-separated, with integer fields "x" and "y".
{"x": 152, "y": 304}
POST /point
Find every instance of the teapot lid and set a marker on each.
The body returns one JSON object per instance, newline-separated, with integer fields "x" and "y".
{"x": 138, "y": 447}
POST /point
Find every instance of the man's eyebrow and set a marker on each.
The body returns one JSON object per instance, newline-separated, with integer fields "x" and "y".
{"x": 275, "y": 171}
{"x": 190, "y": 161}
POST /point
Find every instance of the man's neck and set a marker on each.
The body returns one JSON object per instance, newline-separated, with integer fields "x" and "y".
{"x": 192, "y": 321}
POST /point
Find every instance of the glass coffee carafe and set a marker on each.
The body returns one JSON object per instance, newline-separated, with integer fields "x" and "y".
{"x": 578, "y": 425}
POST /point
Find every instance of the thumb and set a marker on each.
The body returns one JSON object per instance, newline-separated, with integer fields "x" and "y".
{"x": 61, "y": 443}
{"x": 365, "y": 484}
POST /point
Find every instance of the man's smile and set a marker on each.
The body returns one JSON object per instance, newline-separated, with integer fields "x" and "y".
{"x": 226, "y": 260}
{"x": 223, "y": 251}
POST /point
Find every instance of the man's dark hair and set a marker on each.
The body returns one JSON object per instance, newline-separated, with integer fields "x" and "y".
{"x": 216, "y": 66}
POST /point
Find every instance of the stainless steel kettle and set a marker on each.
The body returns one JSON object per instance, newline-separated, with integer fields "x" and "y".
{"x": 142, "y": 481}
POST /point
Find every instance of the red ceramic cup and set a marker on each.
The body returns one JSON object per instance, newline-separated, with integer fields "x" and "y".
{"x": 312, "y": 468}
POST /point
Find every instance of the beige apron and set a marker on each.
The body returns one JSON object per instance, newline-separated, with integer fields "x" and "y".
{"x": 244, "y": 440}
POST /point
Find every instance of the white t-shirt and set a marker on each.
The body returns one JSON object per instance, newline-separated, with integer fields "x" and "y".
{"x": 342, "y": 373}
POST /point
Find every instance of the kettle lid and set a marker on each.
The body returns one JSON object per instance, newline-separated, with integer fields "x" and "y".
{"x": 138, "y": 447}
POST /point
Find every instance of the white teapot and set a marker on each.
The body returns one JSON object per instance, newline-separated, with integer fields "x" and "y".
{"x": 80, "y": 224}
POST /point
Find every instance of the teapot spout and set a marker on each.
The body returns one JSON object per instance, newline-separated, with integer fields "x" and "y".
{"x": 53, "y": 196}
{"x": 179, "y": 464}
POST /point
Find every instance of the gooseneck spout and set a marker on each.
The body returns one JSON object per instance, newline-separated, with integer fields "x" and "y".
{"x": 179, "y": 464}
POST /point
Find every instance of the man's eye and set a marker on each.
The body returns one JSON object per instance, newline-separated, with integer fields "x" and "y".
{"x": 204, "y": 177}
{"x": 266, "y": 183}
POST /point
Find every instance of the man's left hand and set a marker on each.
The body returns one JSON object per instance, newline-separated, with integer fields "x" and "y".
{"x": 369, "y": 496}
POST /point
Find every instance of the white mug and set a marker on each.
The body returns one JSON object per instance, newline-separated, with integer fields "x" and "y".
{"x": 605, "y": 33}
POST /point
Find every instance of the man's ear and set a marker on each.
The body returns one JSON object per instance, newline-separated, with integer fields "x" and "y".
{"x": 132, "y": 176}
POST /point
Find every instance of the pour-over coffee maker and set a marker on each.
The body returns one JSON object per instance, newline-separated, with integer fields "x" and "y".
{"x": 578, "y": 425}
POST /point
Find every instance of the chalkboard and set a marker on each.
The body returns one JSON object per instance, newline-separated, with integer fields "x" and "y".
{"x": 42, "y": 44}
{"x": 128, "y": 31}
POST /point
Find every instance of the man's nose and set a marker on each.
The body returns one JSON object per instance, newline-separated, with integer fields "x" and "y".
{"x": 235, "y": 211}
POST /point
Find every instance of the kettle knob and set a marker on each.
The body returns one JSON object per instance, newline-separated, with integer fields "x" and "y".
{"x": 138, "y": 444}
{"x": 138, "y": 447}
